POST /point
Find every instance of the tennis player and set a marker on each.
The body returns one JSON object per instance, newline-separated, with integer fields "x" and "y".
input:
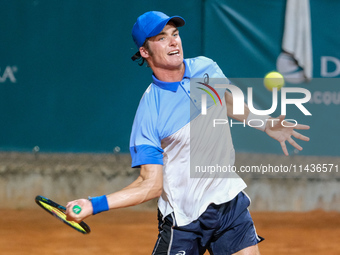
{"x": 195, "y": 214}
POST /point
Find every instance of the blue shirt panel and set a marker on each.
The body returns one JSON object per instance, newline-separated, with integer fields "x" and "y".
{"x": 164, "y": 109}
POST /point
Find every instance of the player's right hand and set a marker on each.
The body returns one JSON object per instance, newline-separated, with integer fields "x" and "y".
{"x": 86, "y": 210}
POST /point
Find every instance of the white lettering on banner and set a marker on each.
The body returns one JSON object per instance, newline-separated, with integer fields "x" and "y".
{"x": 325, "y": 97}
{"x": 8, "y": 74}
{"x": 325, "y": 61}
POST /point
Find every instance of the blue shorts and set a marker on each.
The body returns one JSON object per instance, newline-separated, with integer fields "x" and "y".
{"x": 222, "y": 230}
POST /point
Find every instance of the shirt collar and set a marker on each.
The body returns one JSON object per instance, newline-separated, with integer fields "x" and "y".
{"x": 172, "y": 86}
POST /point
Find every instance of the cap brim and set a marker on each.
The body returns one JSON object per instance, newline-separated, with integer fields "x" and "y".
{"x": 178, "y": 21}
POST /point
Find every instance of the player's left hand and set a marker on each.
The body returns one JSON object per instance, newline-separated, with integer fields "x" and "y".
{"x": 86, "y": 210}
{"x": 281, "y": 133}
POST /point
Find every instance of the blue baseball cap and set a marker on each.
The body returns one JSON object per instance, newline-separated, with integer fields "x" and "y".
{"x": 151, "y": 24}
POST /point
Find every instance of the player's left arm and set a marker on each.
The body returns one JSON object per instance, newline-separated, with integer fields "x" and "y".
{"x": 229, "y": 104}
{"x": 273, "y": 128}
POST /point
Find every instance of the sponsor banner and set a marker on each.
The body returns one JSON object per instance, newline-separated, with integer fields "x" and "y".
{"x": 75, "y": 88}
{"x": 247, "y": 42}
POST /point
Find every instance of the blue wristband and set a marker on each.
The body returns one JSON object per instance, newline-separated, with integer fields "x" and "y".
{"x": 99, "y": 204}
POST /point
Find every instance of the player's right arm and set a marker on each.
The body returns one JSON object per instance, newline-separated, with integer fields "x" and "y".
{"x": 146, "y": 153}
{"x": 147, "y": 186}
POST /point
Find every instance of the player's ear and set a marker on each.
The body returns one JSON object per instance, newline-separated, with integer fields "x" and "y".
{"x": 144, "y": 52}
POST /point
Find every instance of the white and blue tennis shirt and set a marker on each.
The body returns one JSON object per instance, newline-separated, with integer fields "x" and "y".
{"x": 170, "y": 130}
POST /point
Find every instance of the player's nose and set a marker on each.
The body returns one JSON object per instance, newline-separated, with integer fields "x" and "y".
{"x": 173, "y": 41}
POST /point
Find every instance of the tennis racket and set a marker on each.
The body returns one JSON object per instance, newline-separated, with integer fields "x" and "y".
{"x": 58, "y": 211}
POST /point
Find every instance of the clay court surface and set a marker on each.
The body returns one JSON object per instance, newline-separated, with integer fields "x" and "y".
{"x": 127, "y": 232}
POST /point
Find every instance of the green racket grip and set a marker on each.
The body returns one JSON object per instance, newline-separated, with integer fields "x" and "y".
{"x": 76, "y": 209}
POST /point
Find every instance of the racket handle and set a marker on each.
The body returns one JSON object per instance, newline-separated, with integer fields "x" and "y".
{"x": 76, "y": 209}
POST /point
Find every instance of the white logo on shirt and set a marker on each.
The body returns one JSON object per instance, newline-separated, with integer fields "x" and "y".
{"x": 180, "y": 253}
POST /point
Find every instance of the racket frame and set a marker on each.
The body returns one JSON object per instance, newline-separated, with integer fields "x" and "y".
{"x": 62, "y": 210}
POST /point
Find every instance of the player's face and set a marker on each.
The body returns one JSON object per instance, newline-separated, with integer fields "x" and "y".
{"x": 165, "y": 49}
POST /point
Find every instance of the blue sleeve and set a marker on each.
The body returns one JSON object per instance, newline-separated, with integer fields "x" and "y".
{"x": 146, "y": 154}
{"x": 145, "y": 143}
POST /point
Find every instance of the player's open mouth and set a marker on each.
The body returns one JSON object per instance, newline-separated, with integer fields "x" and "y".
{"x": 174, "y": 52}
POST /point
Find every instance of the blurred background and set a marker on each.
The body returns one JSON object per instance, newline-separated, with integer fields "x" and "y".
{"x": 67, "y": 82}
{"x": 69, "y": 89}
{"x": 69, "y": 92}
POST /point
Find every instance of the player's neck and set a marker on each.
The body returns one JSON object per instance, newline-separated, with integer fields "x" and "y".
{"x": 170, "y": 75}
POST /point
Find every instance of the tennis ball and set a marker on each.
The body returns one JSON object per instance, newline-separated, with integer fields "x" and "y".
{"x": 273, "y": 80}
